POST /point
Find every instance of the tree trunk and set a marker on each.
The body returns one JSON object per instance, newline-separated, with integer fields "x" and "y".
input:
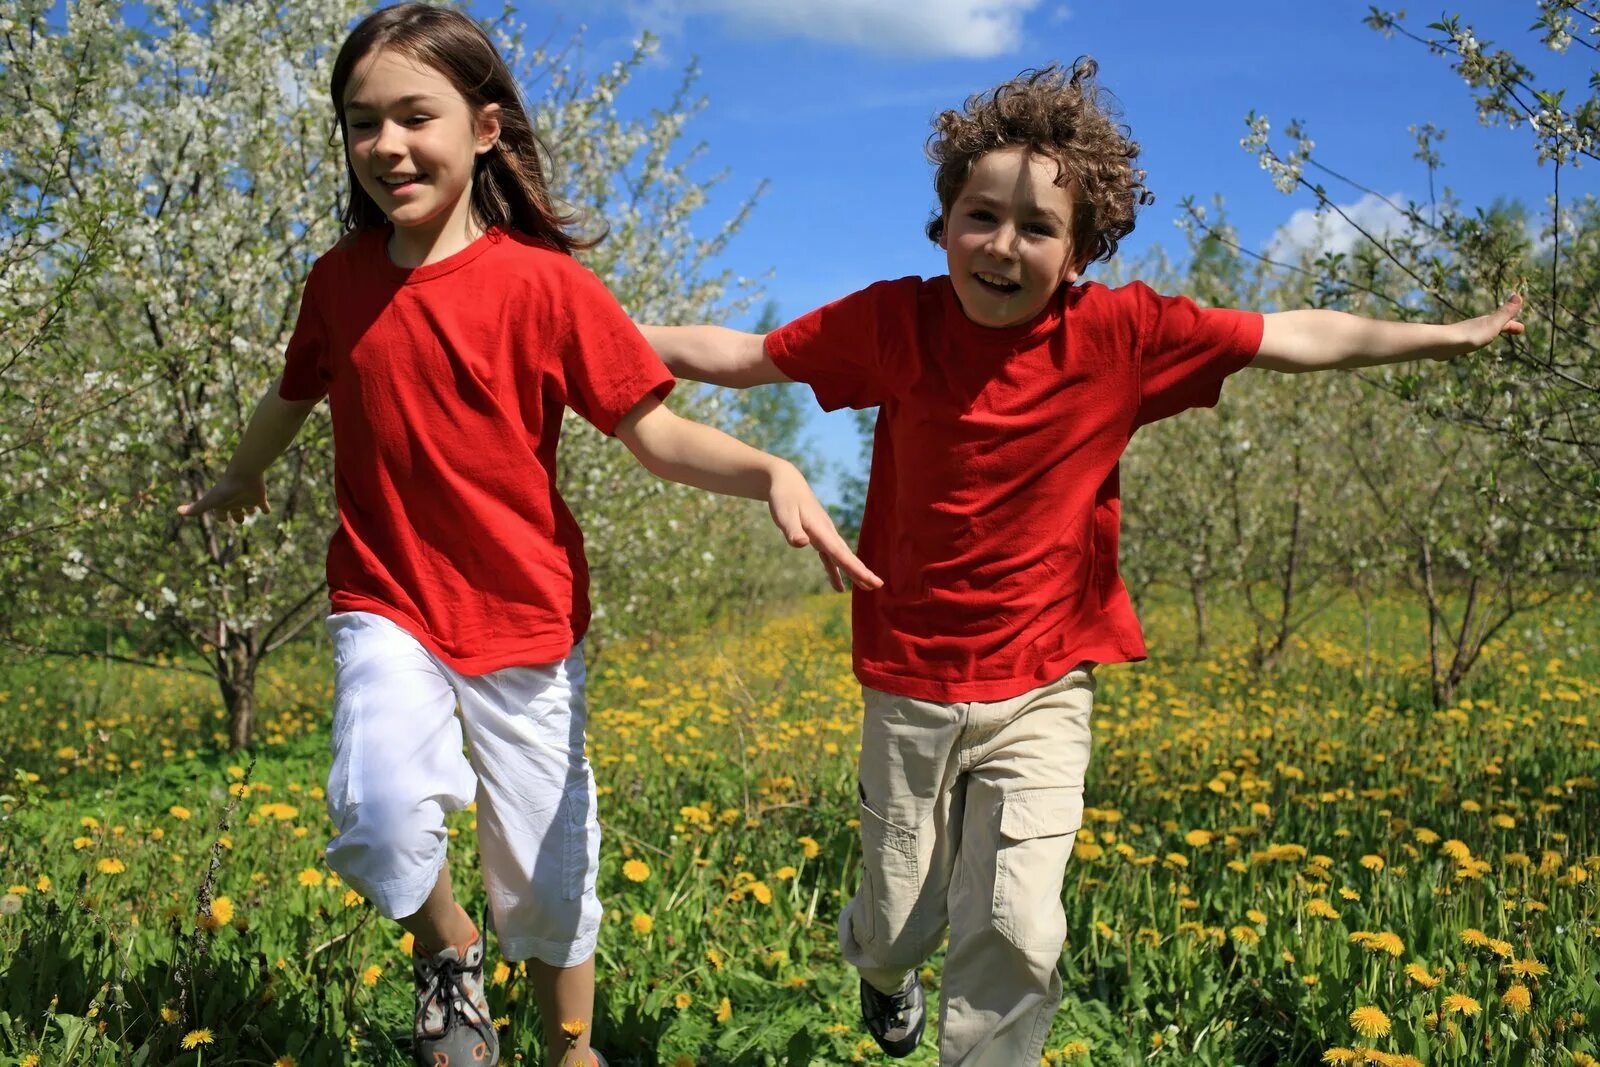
{"x": 1197, "y": 593}
{"x": 236, "y": 677}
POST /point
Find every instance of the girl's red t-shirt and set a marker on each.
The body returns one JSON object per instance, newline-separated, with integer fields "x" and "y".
{"x": 992, "y": 508}
{"x": 447, "y": 384}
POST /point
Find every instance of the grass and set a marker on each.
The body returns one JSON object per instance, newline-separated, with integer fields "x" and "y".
{"x": 1269, "y": 866}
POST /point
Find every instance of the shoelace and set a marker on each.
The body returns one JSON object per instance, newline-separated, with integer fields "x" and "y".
{"x": 448, "y": 988}
{"x": 893, "y": 1010}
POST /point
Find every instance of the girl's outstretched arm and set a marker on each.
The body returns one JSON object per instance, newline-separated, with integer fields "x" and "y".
{"x": 1297, "y": 341}
{"x": 714, "y": 354}
{"x": 706, "y": 458}
{"x": 241, "y": 489}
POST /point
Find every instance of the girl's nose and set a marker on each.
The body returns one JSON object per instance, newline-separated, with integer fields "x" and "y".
{"x": 389, "y": 141}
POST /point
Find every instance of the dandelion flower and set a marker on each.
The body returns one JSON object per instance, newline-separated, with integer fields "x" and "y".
{"x": 1372, "y": 862}
{"x": 310, "y": 877}
{"x": 371, "y": 975}
{"x": 10, "y": 904}
{"x": 636, "y": 870}
{"x": 724, "y": 1010}
{"x": 682, "y": 1000}
{"x": 574, "y": 1029}
{"x": 1198, "y": 838}
{"x": 1369, "y": 1022}
{"x": 111, "y": 865}
{"x": 643, "y": 924}
{"x": 1421, "y": 975}
{"x": 761, "y": 892}
{"x": 1517, "y": 998}
{"x": 195, "y": 1038}
{"x": 1340, "y": 1057}
{"x": 809, "y": 848}
{"x": 1460, "y": 1002}
{"x": 1528, "y": 968}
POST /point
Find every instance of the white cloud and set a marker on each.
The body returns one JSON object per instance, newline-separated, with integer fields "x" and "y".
{"x": 966, "y": 28}
{"x": 1327, "y": 232}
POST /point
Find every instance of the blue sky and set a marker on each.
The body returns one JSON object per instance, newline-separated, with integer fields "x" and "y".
{"x": 830, "y": 100}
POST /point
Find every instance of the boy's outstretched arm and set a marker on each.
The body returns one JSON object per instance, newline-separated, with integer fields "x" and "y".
{"x": 714, "y": 354}
{"x": 1296, "y": 341}
{"x": 241, "y": 488}
{"x": 706, "y": 458}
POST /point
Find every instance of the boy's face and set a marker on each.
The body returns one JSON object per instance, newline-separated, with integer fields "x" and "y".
{"x": 1008, "y": 239}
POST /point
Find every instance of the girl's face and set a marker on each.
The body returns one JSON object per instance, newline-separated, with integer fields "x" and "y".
{"x": 1007, "y": 238}
{"x": 412, "y": 140}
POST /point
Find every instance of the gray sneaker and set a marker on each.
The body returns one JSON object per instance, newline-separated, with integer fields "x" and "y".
{"x": 895, "y": 1020}
{"x": 453, "y": 1027}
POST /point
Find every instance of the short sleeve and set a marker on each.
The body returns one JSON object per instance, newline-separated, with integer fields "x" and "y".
{"x": 851, "y": 352}
{"x": 305, "y": 360}
{"x": 1185, "y": 351}
{"x": 608, "y": 365}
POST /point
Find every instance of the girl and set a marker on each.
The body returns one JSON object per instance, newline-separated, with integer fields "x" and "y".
{"x": 448, "y": 330}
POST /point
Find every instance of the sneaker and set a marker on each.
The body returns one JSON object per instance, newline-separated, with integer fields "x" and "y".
{"x": 453, "y": 1027}
{"x": 894, "y": 1020}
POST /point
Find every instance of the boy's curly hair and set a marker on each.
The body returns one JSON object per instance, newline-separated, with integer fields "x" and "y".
{"x": 1061, "y": 114}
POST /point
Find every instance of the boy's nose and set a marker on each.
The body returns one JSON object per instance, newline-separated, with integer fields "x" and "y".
{"x": 1003, "y": 244}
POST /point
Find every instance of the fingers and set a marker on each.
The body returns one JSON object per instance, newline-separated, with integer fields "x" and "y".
{"x": 833, "y": 572}
{"x": 1506, "y": 318}
{"x": 839, "y": 557}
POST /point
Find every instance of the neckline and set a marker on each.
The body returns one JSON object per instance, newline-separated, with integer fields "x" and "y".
{"x": 1016, "y": 336}
{"x": 428, "y": 271}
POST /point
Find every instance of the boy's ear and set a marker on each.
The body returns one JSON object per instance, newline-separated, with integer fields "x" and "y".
{"x": 944, "y": 234}
{"x": 488, "y": 127}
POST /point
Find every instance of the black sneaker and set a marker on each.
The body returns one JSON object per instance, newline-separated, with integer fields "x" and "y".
{"x": 894, "y": 1020}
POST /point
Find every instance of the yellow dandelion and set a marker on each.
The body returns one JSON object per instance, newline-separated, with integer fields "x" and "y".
{"x": 1517, "y": 998}
{"x": 111, "y": 865}
{"x": 1340, "y": 1057}
{"x": 195, "y": 1038}
{"x": 43, "y": 884}
{"x": 1472, "y": 937}
{"x": 310, "y": 877}
{"x": 502, "y": 973}
{"x": 1256, "y": 915}
{"x": 636, "y": 870}
{"x": 284, "y": 1061}
{"x": 1421, "y": 975}
{"x": 1528, "y": 968}
{"x": 681, "y": 1001}
{"x": 1198, "y": 838}
{"x": 1319, "y": 908}
{"x": 761, "y": 892}
{"x": 169, "y": 1014}
{"x": 371, "y": 975}
{"x": 574, "y": 1029}
{"x": 1369, "y": 1022}
{"x": 724, "y": 1010}
{"x": 1372, "y": 862}
{"x": 809, "y": 848}
{"x": 643, "y": 924}
{"x": 1460, "y": 1002}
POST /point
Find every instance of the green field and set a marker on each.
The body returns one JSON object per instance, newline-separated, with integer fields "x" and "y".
{"x": 1270, "y": 865}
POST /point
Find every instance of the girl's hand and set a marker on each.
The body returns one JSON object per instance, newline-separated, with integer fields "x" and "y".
{"x": 235, "y": 495}
{"x": 1475, "y": 333}
{"x": 804, "y": 521}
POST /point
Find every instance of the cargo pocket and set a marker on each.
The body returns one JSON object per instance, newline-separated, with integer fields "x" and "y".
{"x": 580, "y": 832}
{"x": 1037, "y": 829}
{"x": 890, "y": 879}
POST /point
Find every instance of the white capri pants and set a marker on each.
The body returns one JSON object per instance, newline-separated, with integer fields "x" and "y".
{"x": 398, "y": 767}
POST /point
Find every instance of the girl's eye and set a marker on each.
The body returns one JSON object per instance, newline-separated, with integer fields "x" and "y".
{"x": 980, "y": 215}
{"x": 362, "y": 124}
{"x": 417, "y": 120}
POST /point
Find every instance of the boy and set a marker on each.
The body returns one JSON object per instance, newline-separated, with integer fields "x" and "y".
{"x": 1007, "y": 393}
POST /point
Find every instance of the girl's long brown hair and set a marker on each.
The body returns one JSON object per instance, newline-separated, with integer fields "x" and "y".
{"x": 508, "y": 182}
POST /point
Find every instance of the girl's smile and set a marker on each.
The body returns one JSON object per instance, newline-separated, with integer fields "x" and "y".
{"x": 413, "y": 142}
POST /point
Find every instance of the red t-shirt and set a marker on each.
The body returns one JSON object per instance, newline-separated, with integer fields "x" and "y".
{"x": 992, "y": 512}
{"x": 447, "y": 384}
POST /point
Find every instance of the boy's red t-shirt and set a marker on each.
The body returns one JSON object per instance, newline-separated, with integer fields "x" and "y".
{"x": 992, "y": 508}
{"x": 447, "y": 384}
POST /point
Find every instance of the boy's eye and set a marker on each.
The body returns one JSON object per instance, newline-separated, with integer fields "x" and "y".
{"x": 1041, "y": 229}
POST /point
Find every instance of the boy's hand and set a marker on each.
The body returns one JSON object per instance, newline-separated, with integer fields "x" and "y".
{"x": 234, "y": 495}
{"x": 804, "y": 521}
{"x": 1478, "y": 332}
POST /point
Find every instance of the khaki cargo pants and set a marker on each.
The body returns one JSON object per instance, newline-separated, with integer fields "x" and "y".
{"x": 968, "y": 816}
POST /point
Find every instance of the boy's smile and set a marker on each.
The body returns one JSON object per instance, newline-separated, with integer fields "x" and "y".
{"x": 1008, "y": 237}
